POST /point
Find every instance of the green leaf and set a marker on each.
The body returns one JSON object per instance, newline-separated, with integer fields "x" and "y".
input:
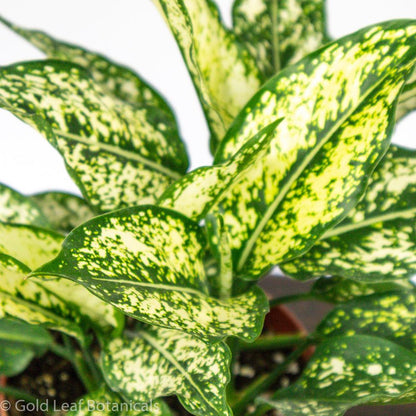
{"x": 118, "y": 154}
{"x": 224, "y": 74}
{"x": 377, "y": 241}
{"x": 338, "y": 289}
{"x": 106, "y": 403}
{"x": 338, "y": 109}
{"x": 118, "y": 80}
{"x": 64, "y": 211}
{"x": 199, "y": 190}
{"x": 407, "y": 100}
{"x": 147, "y": 261}
{"x": 162, "y": 362}
{"x": 279, "y": 32}
{"x": 57, "y": 303}
{"x": 349, "y": 371}
{"x": 19, "y": 344}
{"x": 19, "y": 209}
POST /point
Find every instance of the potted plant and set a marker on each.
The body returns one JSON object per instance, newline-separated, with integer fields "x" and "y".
{"x": 148, "y": 285}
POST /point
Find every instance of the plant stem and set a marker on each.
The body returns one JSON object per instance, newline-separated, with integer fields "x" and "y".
{"x": 61, "y": 351}
{"x": 266, "y": 381}
{"x": 292, "y": 298}
{"x": 20, "y": 394}
{"x": 234, "y": 345}
{"x": 272, "y": 342}
{"x": 91, "y": 363}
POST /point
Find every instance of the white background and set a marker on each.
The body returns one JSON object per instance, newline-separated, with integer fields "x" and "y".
{"x": 132, "y": 32}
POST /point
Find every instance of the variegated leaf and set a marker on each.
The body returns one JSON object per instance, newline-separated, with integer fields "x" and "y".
{"x": 58, "y": 303}
{"x": 162, "y": 362}
{"x": 339, "y": 290}
{"x": 224, "y": 74}
{"x": 377, "y": 241}
{"x": 279, "y": 32}
{"x": 407, "y": 100}
{"x": 106, "y": 403}
{"x": 349, "y": 371}
{"x": 199, "y": 190}
{"x": 338, "y": 109}
{"x": 117, "y": 80}
{"x": 64, "y": 211}
{"x": 147, "y": 261}
{"x": 19, "y": 209}
{"x": 19, "y": 344}
{"x": 118, "y": 154}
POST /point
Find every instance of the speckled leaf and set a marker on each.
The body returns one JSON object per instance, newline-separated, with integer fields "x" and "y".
{"x": 107, "y": 403}
{"x": 19, "y": 209}
{"x": 377, "y": 241}
{"x": 224, "y": 73}
{"x": 147, "y": 261}
{"x": 279, "y": 32}
{"x": 199, "y": 190}
{"x": 338, "y": 289}
{"x": 58, "y": 303}
{"x": 407, "y": 100}
{"x": 118, "y": 154}
{"x": 162, "y": 362}
{"x": 338, "y": 109}
{"x": 19, "y": 344}
{"x": 348, "y": 371}
{"x": 64, "y": 211}
{"x": 117, "y": 80}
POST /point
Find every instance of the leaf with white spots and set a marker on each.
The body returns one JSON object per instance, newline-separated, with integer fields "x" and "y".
{"x": 147, "y": 261}
{"x": 279, "y": 32}
{"x": 118, "y": 80}
{"x": 64, "y": 211}
{"x": 337, "y": 107}
{"x": 349, "y": 371}
{"x": 57, "y": 303}
{"x": 19, "y": 344}
{"x": 338, "y": 289}
{"x": 407, "y": 100}
{"x": 20, "y": 209}
{"x": 104, "y": 403}
{"x": 224, "y": 73}
{"x": 163, "y": 362}
{"x": 199, "y": 190}
{"x": 118, "y": 154}
{"x": 377, "y": 241}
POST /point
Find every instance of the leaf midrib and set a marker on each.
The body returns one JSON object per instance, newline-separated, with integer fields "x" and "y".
{"x": 169, "y": 357}
{"x": 307, "y": 160}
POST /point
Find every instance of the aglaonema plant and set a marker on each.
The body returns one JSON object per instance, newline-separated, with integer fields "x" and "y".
{"x": 304, "y": 177}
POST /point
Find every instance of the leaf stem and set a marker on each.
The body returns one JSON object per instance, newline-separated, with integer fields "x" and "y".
{"x": 234, "y": 346}
{"x": 274, "y": 7}
{"x": 272, "y": 342}
{"x": 61, "y": 351}
{"x": 293, "y": 298}
{"x": 266, "y": 381}
{"x": 20, "y": 394}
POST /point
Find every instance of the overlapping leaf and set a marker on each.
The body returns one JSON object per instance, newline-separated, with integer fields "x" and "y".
{"x": 147, "y": 261}
{"x": 338, "y": 109}
{"x": 19, "y": 344}
{"x": 224, "y": 74}
{"x": 56, "y": 303}
{"x": 64, "y": 211}
{"x": 118, "y": 154}
{"x": 17, "y": 208}
{"x": 279, "y": 32}
{"x": 106, "y": 403}
{"x": 199, "y": 190}
{"x": 117, "y": 80}
{"x": 407, "y": 100}
{"x": 162, "y": 362}
{"x": 377, "y": 241}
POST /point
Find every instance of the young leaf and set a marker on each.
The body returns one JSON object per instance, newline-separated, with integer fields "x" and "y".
{"x": 224, "y": 74}
{"x": 19, "y": 344}
{"x": 279, "y": 33}
{"x": 349, "y": 371}
{"x": 199, "y": 190}
{"x": 377, "y": 241}
{"x": 116, "y": 79}
{"x": 338, "y": 109}
{"x": 162, "y": 362}
{"x": 64, "y": 211}
{"x": 147, "y": 261}
{"x": 118, "y": 154}
{"x": 19, "y": 209}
